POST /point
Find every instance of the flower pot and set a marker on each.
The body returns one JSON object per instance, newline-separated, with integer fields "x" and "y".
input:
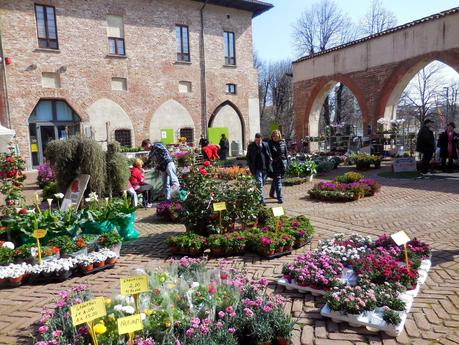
{"x": 298, "y": 244}
{"x": 110, "y": 261}
{"x": 280, "y": 250}
{"x": 99, "y": 264}
{"x": 15, "y": 281}
{"x": 362, "y": 166}
{"x": 281, "y": 341}
{"x": 217, "y": 251}
{"x": 87, "y": 268}
{"x": 288, "y": 248}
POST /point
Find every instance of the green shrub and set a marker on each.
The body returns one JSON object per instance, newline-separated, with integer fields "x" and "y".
{"x": 117, "y": 169}
{"x": 6, "y": 256}
{"x": 49, "y": 190}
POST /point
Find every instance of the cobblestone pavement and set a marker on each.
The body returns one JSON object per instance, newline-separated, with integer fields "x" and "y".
{"x": 427, "y": 209}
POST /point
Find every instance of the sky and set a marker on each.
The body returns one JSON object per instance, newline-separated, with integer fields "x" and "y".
{"x": 272, "y": 30}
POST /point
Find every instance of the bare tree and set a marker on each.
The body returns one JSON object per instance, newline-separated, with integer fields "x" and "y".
{"x": 423, "y": 90}
{"x": 377, "y": 19}
{"x": 320, "y": 27}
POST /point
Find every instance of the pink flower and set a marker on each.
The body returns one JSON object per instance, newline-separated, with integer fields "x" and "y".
{"x": 221, "y": 314}
{"x": 263, "y": 282}
{"x": 57, "y": 333}
{"x": 203, "y": 329}
{"x": 43, "y": 329}
{"x": 189, "y": 332}
{"x": 267, "y": 308}
{"x": 248, "y": 312}
{"x": 232, "y": 330}
{"x": 229, "y": 309}
{"x": 219, "y": 325}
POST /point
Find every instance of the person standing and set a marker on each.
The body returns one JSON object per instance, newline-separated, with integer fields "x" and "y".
{"x": 279, "y": 153}
{"x": 224, "y": 147}
{"x": 425, "y": 144}
{"x": 447, "y": 143}
{"x": 259, "y": 161}
{"x": 165, "y": 164}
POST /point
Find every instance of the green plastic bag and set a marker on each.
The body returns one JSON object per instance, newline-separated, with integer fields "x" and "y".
{"x": 125, "y": 227}
{"x": 96, "y": 228}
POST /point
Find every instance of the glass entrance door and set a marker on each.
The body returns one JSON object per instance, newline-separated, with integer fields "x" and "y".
{"x": 45, "y": 135}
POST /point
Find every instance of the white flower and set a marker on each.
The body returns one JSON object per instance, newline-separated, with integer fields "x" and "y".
{"x": 128, "y": 309}
{"x": 195, "y": 285}
{"x": 143, "y": 316}
{"x": 50, "y": 201}
{"x": 8, "y": 245}
{"x": 59, "y": 196}
{"x": 93, "y": 196}
{"x": 118, "y": 307}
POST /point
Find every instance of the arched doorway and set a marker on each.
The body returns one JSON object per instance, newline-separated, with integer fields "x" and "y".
{"x": 227, "y": 115}
{"x": 51, "y": 119}
{"x": 335, "y": 119}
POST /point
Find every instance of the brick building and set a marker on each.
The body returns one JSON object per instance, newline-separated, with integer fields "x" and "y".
{"x": 127, "y": 70}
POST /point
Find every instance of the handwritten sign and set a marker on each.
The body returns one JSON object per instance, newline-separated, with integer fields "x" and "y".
{"x": 39, "y": 233}
{"x": 278, "y": 211}
{"x": 400, "y": 238}
{"x": 129, "y": 324}
{"x": 219, "y": 206}
{"x": 134, "y": 285}
{"x": 88, "y": 311}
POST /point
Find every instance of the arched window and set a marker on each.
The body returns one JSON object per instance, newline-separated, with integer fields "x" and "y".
{"x": 123, "y": 136}
{"x": 51, "y": 119}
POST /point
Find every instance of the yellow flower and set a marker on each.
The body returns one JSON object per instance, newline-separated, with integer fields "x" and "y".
{"x": 111, "y": 317}
{"x": 167, "y": 323}
{"x": 148, "y": 312}
{"x": 100, "y": 328}
{"x": 107, "y": 301}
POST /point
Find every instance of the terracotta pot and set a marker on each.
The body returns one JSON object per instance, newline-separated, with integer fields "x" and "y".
{"x": 216, "y": 251}
{"x": 15, "y": 281}
{"x": 281, "y": 341}
{"x": 88, "y": 267}
{"x": 288, "y": 248}
{"x": 280, "y": 249}
{"x": 110, "y": 261}
{"x": 99, "y": 264}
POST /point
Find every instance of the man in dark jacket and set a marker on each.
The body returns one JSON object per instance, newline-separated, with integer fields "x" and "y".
{"x": 259, "y": 161}
{"x": 447, "y": 142}
{"x": 425, "y": 144}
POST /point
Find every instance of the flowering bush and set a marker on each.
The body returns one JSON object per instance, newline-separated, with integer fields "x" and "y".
{"x": 12, "y": 180}
{"x": 229, "y": 173}
{"x": 45, "y": 175}
{"x": 169, "y": 210}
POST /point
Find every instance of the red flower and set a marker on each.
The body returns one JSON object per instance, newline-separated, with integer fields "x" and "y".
{"x": 12, "y": 173}
{"x": 211, "y": 289}
{"x": 23, "y": 211}
{"x": 55, "y": 250}
{"x": 206, "y": 163}
{"x": 203, "y": 171}
{"x": 9, "y": 159}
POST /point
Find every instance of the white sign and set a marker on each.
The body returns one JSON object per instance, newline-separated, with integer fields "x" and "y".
{"x": 405, "y": 164}
{"x": 75, "y": 192}
{"x": 163, "y": 134}
{"x": 400, "y": 238}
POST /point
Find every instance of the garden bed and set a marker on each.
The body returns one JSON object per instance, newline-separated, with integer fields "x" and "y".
{"x": 348, "y": 187}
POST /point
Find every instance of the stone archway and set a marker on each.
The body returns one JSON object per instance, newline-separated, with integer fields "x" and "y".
{"x": 317, "y": 97}
{"x": 107, "y": 116}
{"x": 170, "y": 115}
{"x": 227, "y": 115}
{"x": 400, "y": 78}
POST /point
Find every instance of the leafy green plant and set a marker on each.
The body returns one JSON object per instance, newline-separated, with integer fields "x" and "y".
{"x": 6, "y": 256}
{"x": 49, "y": 190}
{"x": 282, "y": 324}
{"x": 391, "y": 317}
{"x": 65, "y": 244}
{"x": 187, "y": 241}
{"x": 109, "y": 239}
{"x": 11, "y": 181}
{"x": 117, "y": 169}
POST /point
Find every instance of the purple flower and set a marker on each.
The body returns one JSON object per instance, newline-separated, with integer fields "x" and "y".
{"x": 232, "y": 330}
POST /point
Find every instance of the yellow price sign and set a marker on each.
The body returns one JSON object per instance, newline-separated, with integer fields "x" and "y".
{"x": 219, "y": 206}
{"x": 88, "y": 311}
{"x": 134, "y": 285}
{"x": 129, "y": 324}
{"x": 40, "y": 233}
{"x": 400, "y": 238}
{"x": 278, "y": 211}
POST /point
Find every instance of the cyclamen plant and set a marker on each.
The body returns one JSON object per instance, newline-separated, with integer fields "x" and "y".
{"x": 12, "y": 180}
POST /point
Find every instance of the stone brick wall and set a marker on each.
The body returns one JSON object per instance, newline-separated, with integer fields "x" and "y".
{"x": 150, "y": 65}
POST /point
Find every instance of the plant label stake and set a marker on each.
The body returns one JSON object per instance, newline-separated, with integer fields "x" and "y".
{"x": 37, "y": 234}
{"x": 134, "y": 286}
{"x": 401, "y": 238}
{"x": 219, "y": 207}
{"x": 278, "y": 212}
{"x": 87, "y": 312}
{"x": 129, "y": 325}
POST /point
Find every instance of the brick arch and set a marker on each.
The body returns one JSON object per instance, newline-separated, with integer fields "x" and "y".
{"x": 318, "y": 94}
{"x": 401, "y": 76}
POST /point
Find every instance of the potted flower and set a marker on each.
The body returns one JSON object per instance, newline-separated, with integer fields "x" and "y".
{"x": 237, "y": 242}
{"x": 122, "y": 214}
{"x": 282, "y": 326}
{"x": 169, "y": 210}
{"x": 111, "y": 240}
{"x": 266, "y": 246}
{"x": 90, "y": 241}
{"x": 68, "y": 247}
{"x": 13, "y": 274}
{"x": 95, "y": 217}
{"x": 218, "y": 244}
{"x": 85, "y": 262}
{"x": 110, "y": 257}
{"x": 48, "y": 253}
{"x": 187, "y": 243}
{"x": 99, "y": 259}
